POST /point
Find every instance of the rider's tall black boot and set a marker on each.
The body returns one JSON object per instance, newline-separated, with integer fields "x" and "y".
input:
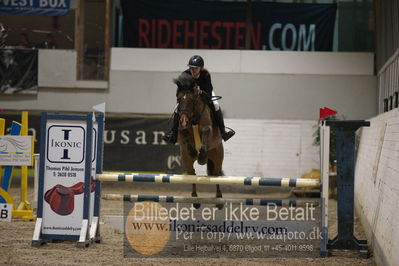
{"x": 226, "y": 135}
{"x": 171, "y": 136}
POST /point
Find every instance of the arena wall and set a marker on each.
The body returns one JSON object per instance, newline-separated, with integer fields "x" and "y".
{"x": 377, "y": 186}
{"x": 270, "y": 148}
{"x": 254, "y": 84}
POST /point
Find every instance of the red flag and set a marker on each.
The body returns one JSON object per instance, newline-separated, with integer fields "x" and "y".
{"x": 326, "y": 112}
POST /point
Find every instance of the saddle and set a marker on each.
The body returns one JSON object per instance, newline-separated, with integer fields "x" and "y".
{"x": 62, "y": 199}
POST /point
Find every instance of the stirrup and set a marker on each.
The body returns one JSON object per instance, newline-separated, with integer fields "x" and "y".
{"x": 226, "y": 135}
{"x": 170, "y": 137}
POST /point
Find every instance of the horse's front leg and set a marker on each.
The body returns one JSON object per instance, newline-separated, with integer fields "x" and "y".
{"x": 186, "y": 139}
{"x": 206, "y": 132}
{"x": 188, "y": 164}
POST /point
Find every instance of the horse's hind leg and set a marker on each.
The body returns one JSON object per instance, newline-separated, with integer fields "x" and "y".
{"x": 218, "y": 192}
{"x": 194, "y": 195}
{"x": 219, "y": 195}
{"x": 188, "y": 164}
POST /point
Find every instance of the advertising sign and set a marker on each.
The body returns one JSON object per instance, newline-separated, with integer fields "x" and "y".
{"x": 66, "y": 193}
{"x": 35, "y": 7}
{"x": 197, "y": 24}
{"x": 16, "y": 150}
{"x": 64, "y": 178}
{"x": 131, "y": 143}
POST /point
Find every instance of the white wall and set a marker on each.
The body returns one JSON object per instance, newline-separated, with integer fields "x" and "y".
{"x": 254, "y": 84}
{"x": 245, "y": 61}
{"x": 270, "y": 148}
{"x": 57, "y": 69}
{"x": 377, "y": 186}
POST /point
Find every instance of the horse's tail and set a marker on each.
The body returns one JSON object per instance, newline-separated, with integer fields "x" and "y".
{"x": 210, "y": 165}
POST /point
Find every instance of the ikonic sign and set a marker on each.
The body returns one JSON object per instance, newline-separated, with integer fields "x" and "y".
{"x": 64, "y": 172}
{"x": 66, "y": 196}
{"x": 66, "y": 144}
{"x": 16, "y": 150}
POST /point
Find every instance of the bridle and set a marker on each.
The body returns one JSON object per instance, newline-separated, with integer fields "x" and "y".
{"x": 190, "y": 112}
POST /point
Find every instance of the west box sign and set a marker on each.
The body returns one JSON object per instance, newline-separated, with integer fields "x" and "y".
{"x": 198, "y": 24}
{"x": 35, "y": 7}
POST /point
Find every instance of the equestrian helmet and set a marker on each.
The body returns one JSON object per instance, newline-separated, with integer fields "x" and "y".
{"x": 196, "y": 61}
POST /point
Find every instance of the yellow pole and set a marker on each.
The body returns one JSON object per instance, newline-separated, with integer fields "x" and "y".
{"x": 2, "y": 129}
{"x": 2, "y": 126}
{"x": 24, "y": 210}
{"x": 24, "y": 169}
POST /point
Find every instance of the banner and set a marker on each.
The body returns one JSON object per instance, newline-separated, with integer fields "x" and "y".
{"x": 131, "y": 143}
{"x": 16, "y": 150}
{"x": 18, "y": 71}
{"x": 198, "y": 24}
{"x": 136, "y": 144}
{"x": 35, "y": 7}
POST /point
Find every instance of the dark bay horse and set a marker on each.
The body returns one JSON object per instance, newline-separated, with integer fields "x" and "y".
{"x": 193, "y": 110}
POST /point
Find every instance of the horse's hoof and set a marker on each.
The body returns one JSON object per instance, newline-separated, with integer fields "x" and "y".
{"x": 219, "y": 195}
{"x": 197, "y": 205}
{"x": 202, "y": 162}
{"x": 202, "y": 158}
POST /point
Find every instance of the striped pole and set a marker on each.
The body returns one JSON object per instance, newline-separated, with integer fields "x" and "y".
{"x": 180, "y": 199}
{"x": 220, "y": 180}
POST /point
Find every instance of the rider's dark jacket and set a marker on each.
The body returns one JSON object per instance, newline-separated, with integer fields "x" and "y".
{"x": 204, "y": 82}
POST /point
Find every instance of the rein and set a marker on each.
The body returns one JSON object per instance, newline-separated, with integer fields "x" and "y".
{"x": 191, "y": 113}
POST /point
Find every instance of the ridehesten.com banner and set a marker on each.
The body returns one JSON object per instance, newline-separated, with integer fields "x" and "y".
{"x": 222, "y": 25}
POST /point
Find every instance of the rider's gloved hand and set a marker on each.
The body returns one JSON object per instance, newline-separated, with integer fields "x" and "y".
{"x": 205, "y": 96}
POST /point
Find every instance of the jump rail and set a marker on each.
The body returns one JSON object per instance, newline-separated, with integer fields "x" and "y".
{"x": 182, "y": 199}
{"x": 345, "y": 135}
{"x": 221, "y": 180}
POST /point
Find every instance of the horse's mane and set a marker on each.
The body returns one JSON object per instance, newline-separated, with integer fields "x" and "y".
{"x": 185, "y": 82}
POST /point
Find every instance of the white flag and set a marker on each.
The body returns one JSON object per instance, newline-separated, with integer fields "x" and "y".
{"x": 99, "y": 107}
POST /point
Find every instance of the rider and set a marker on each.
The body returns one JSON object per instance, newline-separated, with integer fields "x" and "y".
{"x": 203, "y": 79}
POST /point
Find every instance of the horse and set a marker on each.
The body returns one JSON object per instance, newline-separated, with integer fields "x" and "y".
{"x": 193, "y": 110}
